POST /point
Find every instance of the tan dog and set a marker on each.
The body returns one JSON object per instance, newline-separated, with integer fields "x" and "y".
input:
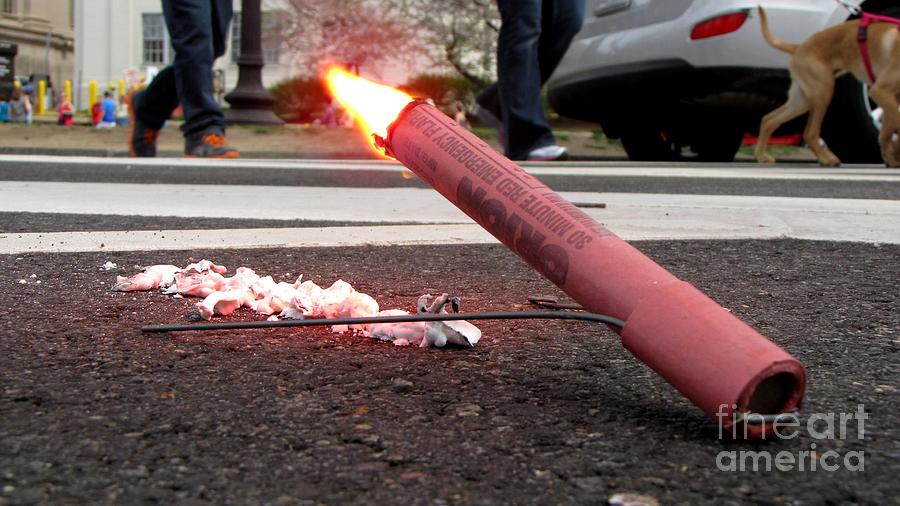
{"x": 815, "y": 64}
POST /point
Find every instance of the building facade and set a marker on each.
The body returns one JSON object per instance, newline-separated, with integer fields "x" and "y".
{"x": 118, "y": 39}
{"x": 44, "y": 32}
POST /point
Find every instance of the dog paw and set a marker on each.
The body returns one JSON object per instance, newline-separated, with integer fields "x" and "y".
{"x": 831, "y": 161}
{"x": 890, "y": 158}
{"x": 765, "y": 158}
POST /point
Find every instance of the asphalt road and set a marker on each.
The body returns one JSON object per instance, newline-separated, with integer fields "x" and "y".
{"x": 93, "y": 411}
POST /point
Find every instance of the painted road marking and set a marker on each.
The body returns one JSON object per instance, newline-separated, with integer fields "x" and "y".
{"x": 654, "y": 170}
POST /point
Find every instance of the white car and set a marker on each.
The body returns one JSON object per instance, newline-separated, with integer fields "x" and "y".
{"x": 670, "y": 77}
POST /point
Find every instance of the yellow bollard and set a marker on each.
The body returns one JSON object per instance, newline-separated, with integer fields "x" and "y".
{"x": 93, "y": 91}
{"x": 40, "y": 99}
{"x": 121, "y": 87}
{"x": 67, "y": 89}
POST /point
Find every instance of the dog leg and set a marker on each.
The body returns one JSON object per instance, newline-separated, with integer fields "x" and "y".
{"x": 795, "y": 106}
{"x": 813, "y": 139}
{"x": 889, "y": 148}
{"x": 882, "y": 94}
{"x": 895, "y": 138}
{"x": 817, "y": 79}
{"x": 895, "y": 145}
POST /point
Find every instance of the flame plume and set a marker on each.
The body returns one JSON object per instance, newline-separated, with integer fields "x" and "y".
{"x": 372, "y": 106}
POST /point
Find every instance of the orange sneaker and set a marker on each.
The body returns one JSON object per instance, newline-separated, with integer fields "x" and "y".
{"x": 209, "y": 145}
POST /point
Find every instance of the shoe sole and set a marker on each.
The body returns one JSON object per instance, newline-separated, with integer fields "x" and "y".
{"x": 230, "y": 154}
{"x": 561, "y": 158}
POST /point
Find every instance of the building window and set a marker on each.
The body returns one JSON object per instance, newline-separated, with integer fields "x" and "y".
{"x": 157, "y": 47}
{"x": 8, "y": 6}
{"x": 271, "y": 37}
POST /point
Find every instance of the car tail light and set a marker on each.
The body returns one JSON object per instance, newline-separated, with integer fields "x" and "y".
{"x": 719, "y": 25}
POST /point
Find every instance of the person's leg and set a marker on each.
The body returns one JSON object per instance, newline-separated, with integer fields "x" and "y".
{"x": 148, "y": 111}
{"x": 154, "y": 104}
{"x": 519, "y": 78}
{"x": 489, "y": 98}
{"x": 222, "y": 12}
{"x": 191, "y": 30}
{"x": 561, "y": 20}
{"x": 489, "y": 111}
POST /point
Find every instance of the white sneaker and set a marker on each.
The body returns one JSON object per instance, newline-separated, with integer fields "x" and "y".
{"x": 553, "y": 153}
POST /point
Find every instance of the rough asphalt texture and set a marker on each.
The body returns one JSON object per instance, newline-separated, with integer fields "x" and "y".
{"x": 92, "y": 411}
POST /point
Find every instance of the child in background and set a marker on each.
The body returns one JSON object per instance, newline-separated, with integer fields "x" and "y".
{"x": 97, "y": 113}
{"x": 20, "y": 108}
{"x": 122, "y": 112}
{"x": 4, "y": 110}
{"x": 108, "y": 115}
{"x": 66, "y": 111}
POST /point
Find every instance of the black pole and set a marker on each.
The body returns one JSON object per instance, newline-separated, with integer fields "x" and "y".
{"x": 250, "y": 102}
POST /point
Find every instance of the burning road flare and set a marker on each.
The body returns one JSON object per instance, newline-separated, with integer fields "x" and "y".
{"x": 717, "y": 361}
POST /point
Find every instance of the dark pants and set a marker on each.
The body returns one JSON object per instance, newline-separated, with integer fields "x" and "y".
{"x": 199, "y": 31}
{"x": 533, "y": 38}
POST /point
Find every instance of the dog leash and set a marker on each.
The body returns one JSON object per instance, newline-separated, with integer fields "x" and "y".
{"x": 853, "y": 8}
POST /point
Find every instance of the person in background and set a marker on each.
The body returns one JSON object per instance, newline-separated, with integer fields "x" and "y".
{"x": 534, "y": 35}
{"x": 4, "y": 109}
{"x": 20, "y": 108}
{"x": 97, "y": 113}
{"x": 331, "y": 116}
{"x": 28, "y": 98}
{"x": 66, "y": 111}
{"x": 199, "y": 31}
{"x": 459, "y": 114}
{"x": 122, "y": 112}
{"x": 108, "y": 111}
{"x": 28, "y": 88}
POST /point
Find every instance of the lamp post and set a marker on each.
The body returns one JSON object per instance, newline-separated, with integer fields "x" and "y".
{"x": 250, "y": 102}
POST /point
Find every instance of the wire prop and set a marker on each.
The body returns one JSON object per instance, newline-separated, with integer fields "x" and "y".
{"x": 569, "y": 312}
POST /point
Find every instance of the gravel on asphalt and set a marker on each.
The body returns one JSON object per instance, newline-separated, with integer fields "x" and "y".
{"x": 92, "y": 411}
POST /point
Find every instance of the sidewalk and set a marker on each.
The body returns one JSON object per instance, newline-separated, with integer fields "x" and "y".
{"x": 287, "y": 141}
{"x": 254, "y": 141}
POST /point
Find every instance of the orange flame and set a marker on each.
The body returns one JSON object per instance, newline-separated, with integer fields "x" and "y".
{"x": 372, "y": 106}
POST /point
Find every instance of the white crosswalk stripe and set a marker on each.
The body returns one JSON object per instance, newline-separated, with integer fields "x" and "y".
{"x": 427, "y": 218}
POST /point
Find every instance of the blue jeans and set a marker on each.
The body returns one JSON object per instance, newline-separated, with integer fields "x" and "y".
{"x": 199, "y": 31}
{"x": 533, "y": 38}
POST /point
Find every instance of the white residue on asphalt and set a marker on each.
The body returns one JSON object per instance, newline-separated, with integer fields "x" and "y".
{"x": 298, "y": 300}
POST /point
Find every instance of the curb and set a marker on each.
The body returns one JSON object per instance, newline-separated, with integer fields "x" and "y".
{"x": 123, "y": 153}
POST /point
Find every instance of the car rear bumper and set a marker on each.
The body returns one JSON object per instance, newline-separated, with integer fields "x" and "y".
{"x": 603, "y": 93}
